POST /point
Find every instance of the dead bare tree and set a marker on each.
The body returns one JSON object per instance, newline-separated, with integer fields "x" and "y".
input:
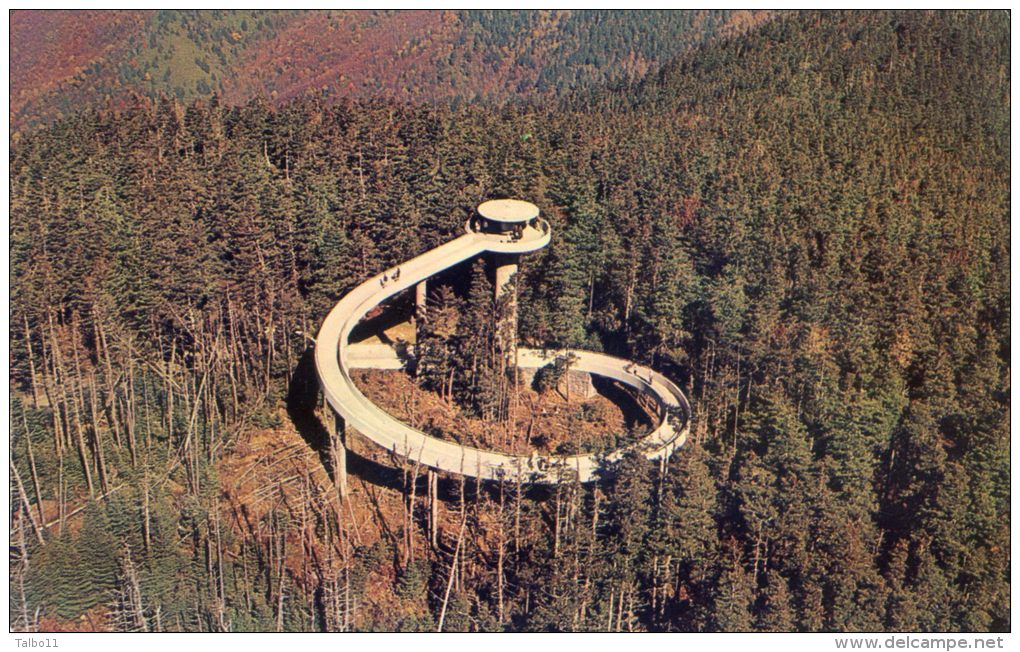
{"x": 452, "y": 574}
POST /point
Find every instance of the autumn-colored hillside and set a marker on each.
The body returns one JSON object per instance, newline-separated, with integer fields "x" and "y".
{"x": 49, "y": 49}
{"x": 63, "y": 61}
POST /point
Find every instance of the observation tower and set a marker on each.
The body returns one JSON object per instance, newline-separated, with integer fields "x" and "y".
{"x": 514, "y": 219}
{"x": 501, "y": 230}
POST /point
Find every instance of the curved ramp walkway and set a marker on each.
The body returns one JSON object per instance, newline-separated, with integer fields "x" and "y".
{"x": 335, "y": 357}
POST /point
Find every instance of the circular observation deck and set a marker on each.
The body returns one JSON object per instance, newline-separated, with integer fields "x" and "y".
{"x": 511, "y": 217}
{"x": 508, "y": 211}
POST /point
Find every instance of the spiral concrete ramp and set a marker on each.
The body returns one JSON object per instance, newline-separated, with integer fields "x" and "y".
{"x": 335, "y": 357}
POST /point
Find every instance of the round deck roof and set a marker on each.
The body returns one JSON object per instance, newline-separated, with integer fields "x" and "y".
{"x": 508, "y": 210}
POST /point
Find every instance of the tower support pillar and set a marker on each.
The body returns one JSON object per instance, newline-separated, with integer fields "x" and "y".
{"x": 505, "y": 269}
{"x": 337, "y": 428}
{"x": 421, "y": 300}
{"x": 506, "y": 304}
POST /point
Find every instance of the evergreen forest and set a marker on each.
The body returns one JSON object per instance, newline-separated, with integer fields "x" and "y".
{"x": 804, "y": 224}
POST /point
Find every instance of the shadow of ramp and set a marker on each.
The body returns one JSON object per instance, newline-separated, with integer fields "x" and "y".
{"x": 373, "y": 472}
{"x": 392, "y": 312}
{"x": 623, "y": 397}
{"x": 302, "y": 399}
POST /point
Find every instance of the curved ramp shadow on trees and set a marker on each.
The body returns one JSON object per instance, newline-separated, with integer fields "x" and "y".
{"x": 302, "y": 400}
{"x": 623, "y": 397}
{"x": 302, "y": 397}
{"x": 373, "y": 472}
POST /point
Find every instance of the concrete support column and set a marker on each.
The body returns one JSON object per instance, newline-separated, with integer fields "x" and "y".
{"x": 506, "y": 267}
{"x": 504, "y": 270}
{"x": 421, "y": 300}
{"x": 337, "y": 428}
{"x": 420, "y": 315}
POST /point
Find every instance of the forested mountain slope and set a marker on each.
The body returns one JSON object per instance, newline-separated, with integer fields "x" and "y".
{"x": 806, "y": 226}
{"x": 62, "y": 61}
